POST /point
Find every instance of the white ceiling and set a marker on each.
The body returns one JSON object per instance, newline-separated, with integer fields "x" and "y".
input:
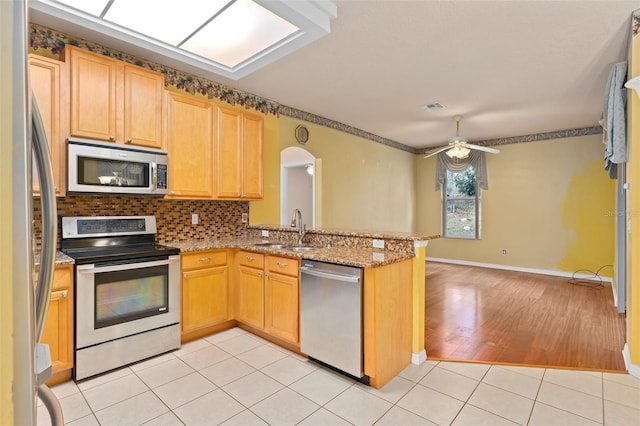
{"x": 511, "y": 68}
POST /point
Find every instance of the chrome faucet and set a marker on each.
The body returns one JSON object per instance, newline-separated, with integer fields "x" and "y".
{"x": 296, "y": 220}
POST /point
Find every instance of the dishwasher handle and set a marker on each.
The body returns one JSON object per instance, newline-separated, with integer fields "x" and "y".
{"x": 329, "y": 275}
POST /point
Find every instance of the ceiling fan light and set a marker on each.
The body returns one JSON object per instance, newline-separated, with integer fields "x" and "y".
{"x": 459, "y": 152}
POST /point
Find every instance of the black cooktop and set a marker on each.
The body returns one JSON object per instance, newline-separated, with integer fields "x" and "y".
{"x": 84, "y": 255}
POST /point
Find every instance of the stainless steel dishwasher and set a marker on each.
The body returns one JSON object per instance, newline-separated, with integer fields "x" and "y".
{"x": 331, "y": 316}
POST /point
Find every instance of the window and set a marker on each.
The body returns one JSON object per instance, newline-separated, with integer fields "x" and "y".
{"x": 461, "y": 215}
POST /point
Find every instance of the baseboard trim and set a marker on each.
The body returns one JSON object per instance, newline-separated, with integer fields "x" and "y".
{"x": 633, "y": 369}
{"x": 517, "y": 268}
{"x": 418, "y": 358}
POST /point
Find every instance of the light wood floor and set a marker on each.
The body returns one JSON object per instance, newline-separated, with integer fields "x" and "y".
{"x": 489, "y": 315}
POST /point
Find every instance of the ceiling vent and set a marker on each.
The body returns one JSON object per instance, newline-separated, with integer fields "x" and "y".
{"x": 433, "y": 106}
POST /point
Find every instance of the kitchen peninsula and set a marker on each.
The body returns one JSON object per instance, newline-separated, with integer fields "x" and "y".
{"x": 260, "y": 283}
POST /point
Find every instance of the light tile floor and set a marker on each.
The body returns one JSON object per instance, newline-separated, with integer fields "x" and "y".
{"x": 236, "y": 378}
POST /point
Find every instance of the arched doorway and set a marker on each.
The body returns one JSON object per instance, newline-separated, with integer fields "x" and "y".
{"x": 298, "y": 171}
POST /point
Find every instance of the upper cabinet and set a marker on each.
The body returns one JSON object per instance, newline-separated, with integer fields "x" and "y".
{"x": 239, "y": 155}
{"x": 47, "y": 81}
{"x": 190, "y": 130}
{"x": 114, "y": 101}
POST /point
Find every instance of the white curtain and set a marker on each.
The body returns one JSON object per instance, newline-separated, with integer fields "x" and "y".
{"x": 475, "y": 159}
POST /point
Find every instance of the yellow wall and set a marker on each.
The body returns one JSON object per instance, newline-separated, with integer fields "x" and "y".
{"x": 365, "y": 185}
{"x": 633, "y": 207}
{"x": 550, "y": 204}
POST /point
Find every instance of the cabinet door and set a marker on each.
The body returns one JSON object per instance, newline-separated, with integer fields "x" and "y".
{"x": 190, "y": 146}
{"x": 251, "y": 297}
{"x": 282, "y": 309}
{"x": 45, "y": 80}
{"x": 252, "y": 172}
{"x": 58, "y": 328}
{"x": 143, "y": 91}
{"x": 205, "y": 298}
{"x": 93, "y": 94}
{"x": 229, "y": 154}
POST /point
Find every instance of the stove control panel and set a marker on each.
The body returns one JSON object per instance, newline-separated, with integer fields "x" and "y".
{"x": 105, "y": 226}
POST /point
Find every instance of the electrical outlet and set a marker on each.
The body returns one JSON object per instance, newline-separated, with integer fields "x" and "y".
{"x": 378, "y": 244}
{"x": 194, "y": 218}
{"x": 245, "y": 217}
{"x": 504, "y": 251}
{"x": 265, "y": 233}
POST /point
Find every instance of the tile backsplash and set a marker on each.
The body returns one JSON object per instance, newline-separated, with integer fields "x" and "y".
{"x": 216, "y": 219}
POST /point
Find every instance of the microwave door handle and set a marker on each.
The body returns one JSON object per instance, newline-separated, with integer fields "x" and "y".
{"x": 154, "y": 176}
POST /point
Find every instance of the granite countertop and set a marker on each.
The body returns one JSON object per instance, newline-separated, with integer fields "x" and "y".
{"x": 61, "y": 259}
{"x": 340, "y": 255}
{"x": 353, "y": 233}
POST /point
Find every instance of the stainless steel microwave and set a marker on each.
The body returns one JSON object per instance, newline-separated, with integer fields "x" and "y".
{"x": 103, "y": 167}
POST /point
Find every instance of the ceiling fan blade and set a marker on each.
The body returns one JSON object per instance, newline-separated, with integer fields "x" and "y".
{"x": 436, "y": 151}
{"x": 483, "y": 148}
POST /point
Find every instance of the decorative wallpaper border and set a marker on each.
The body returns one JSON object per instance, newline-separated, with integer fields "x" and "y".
{"x": 635, "y": 22}
{"x": 536, "y": 137}
{"x": 53, "y": 42}
{"x": 316, "y": 119}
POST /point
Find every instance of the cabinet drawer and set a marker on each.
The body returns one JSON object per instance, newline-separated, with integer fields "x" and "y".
{"x": 283, "y": 265}
{"x": 204, "y": 259}
{"x": 251, "y": 259}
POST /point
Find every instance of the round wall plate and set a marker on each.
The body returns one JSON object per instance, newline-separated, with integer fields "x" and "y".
{"x": 302, "y": 134}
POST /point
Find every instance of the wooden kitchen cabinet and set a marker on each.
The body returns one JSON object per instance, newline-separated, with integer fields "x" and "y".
{"x": 387, "y": 321}
{"x": 282, "y": 298}
{"x": 239, "y": 159}
{"x": 114, "y": 101}
{"x": 205, "y": 292}
{"x": 47, "y": 79}
{"x": 250, "y": 289}
{"x": 58, "y": 328}
{"x": 190, "y": 130}
{"x": 268, "y": 294}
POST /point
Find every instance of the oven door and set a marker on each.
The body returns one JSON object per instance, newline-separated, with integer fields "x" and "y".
{"x": 119, "y": 299}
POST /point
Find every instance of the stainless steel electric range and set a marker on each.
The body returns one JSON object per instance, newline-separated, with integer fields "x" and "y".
{"x": 127, "y": 291}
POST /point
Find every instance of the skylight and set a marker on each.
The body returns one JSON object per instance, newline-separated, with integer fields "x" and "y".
{"x": 229, "y": 37}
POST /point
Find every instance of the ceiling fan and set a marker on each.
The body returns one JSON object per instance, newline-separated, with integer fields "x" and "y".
{"x": 458, "y": 146}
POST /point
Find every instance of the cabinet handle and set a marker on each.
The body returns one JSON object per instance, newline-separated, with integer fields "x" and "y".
{"x": 112, "y": 138}
{"x": 205, "y": 259}
{"x": 259, "y": 274}
{"x": 250, "y": 258}
{"x": 129, "y": 140}
{"x": 172, "y": 192}
{"x": 282, "y": 264}
{"x": 63, "y": 293}
{"x": 185, "y": 275}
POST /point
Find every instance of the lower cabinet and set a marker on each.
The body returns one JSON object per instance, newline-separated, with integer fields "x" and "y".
{"x": 261, "y": 291}
{"x": 250, "y": 289}
{"x": 58, "y": 328}
{"x": 282, "y": 298}
{"x": 267, "y": 292}
{"x": 205, "y": 292}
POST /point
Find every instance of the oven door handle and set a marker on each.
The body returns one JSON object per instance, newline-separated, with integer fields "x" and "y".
{"x": 90, "y": 269}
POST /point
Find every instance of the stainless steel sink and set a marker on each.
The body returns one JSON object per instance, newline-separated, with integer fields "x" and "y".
{"x": 270, "y": 245}
{"x": 291, "y": 247}
{"x": 299, "y": 248}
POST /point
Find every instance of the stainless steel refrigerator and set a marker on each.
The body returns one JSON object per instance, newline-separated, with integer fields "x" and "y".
{"x": 25, "y": 364}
